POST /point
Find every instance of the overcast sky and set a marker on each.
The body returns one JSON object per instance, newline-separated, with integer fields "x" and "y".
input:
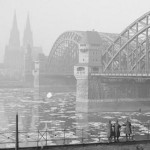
{"x": 50, "y": 18}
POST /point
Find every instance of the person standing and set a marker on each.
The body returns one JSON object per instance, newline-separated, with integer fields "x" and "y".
{"x": 128, "y": 130}
{"x": 117, "y": 131}
{"x": 109, "y": 131}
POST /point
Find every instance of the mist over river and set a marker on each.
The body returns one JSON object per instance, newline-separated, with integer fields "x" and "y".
{"x": 57, "y": 112}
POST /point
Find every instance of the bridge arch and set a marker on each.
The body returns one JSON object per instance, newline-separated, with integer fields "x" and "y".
{"x": 130, "y": 52}
{"x": 64, "y": 53}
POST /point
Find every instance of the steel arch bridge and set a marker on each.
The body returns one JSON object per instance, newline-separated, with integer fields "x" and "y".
{"x": 64, "y": 54}
{"x": 128, "y": 54}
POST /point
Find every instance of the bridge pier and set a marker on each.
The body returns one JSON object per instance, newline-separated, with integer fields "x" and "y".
{"x": 87, "y": 87}
{"x": 96, "y": 92}
{"x": 82, "y": 93}
{"x": 104, "y": 94}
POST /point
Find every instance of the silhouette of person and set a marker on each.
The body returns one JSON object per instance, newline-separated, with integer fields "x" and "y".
{"x": 109, "y": 131}
{"x": 128, "y": 130}
{"x": 117, "y": 131}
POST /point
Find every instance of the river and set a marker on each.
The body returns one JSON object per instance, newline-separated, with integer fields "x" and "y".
{"x": 57, "y": 112}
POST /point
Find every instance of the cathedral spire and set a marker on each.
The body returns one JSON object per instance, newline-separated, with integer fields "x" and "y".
{"x": 15, "y": 21}
{"x": 14, "y": 39}
{"x": 28, "y": 23}
{"x": 28, "y": 38}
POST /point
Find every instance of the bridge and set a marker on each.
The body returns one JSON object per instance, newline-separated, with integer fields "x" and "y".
{"x": 65, "y": 51}
{"x": 106, "y": 66}
{"x": 127, "y": 53}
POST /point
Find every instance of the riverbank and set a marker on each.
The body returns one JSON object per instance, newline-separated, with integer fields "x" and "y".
{"x": 132, "y": 145}
{"x": 11, "y": 84}
{"x": 48, "y": 88}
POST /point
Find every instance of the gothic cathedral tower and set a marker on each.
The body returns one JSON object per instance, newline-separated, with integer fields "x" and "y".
{"x": 14, "y": 40}
{"x": 28, "y": 37}
{"x": 28, "y": 50}
{"x": 13, "y": 52}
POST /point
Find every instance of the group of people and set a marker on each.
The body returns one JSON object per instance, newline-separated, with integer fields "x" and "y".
{"x": 114, "y": 130}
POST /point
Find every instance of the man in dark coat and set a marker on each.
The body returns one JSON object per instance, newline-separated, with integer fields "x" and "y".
{"x": 117, "y": 130}
{"x": 109, "y": 131}
{"x": 128, "y": 129}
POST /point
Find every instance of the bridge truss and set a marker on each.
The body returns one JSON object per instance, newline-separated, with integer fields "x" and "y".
{"x": 130, "y": 52}
{"x": 64, "y": 54}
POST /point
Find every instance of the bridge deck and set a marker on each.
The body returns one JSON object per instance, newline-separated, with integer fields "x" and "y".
{"x": 122, "y": 74}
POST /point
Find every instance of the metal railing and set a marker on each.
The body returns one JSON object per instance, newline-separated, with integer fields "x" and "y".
{"x": 66, "y": 137}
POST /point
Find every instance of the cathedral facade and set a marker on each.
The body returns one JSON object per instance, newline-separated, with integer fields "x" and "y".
{"x": 19, "y": 58}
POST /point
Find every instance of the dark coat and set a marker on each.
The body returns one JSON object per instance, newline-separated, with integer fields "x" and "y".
{"x": 109, "y": 130}
{"x": 117, "y": 129}
{"x": 128, "y": 128}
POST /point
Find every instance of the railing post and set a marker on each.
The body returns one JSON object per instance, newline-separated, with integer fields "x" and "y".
{"x": 38, "y": 138}
{"x": 17, "y": 138}
{"x": 46, "y": 137}
{"x": 64, "y": 136}
{"x": 133, "y": 128}
{"x": 99, "y": 134}
{"x": 82, "y": 135}
{"x": 148, "y": 129}
{"x": 99, "y": 138}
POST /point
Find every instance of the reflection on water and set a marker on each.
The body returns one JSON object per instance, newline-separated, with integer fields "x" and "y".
{"x": 56, "y": 112}
{"x": 35, "y": 113}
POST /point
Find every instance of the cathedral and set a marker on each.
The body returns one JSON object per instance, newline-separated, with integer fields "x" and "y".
{"x": 19, "y": 58}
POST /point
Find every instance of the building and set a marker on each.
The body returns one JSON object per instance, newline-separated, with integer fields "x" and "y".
{"x": 19, "y": 58}
{"x": 14, "y": 53}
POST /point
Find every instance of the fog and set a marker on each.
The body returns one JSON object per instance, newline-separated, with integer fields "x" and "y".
{"x": 50, "y": 18}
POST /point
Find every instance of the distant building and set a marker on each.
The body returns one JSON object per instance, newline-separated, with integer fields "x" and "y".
{"x": 19, "y": 59}
{"x": 28, "y": 36}
{"x": 13, "y": 52}
{"x": 2, "y": 71}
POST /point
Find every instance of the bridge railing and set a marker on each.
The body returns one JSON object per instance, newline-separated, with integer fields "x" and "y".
{"x": 66, "y": 137}
{"x": 121, "y": 73}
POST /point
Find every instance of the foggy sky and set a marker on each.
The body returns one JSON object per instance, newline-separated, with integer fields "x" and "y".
{"x": 50, "y": 18}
